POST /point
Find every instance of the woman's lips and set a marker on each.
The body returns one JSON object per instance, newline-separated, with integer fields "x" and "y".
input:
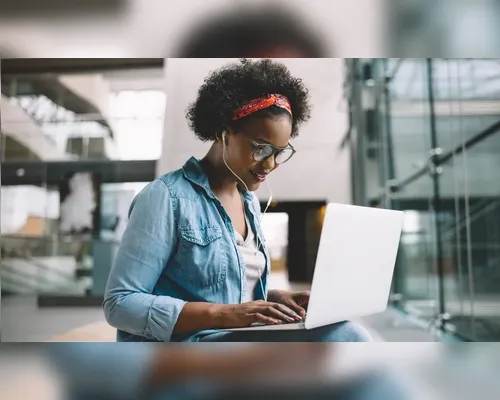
{"x": 258, "y": 177}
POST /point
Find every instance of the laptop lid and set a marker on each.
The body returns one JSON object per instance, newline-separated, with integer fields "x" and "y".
{"x": 355, "y": 263}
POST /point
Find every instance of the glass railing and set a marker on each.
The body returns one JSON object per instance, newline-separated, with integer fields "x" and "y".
{"x": 47, "y": 265}
{"x": 438, "y": 136}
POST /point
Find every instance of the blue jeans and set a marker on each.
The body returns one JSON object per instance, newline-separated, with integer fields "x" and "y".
{"x": 340, "y": 332}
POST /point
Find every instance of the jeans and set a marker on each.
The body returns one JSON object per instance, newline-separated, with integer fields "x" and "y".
{"x": 340, "y": 332}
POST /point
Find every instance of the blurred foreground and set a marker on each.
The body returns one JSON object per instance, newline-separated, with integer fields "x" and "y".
{"x": 228, "y": 28}
{"x": 347, "y": 371}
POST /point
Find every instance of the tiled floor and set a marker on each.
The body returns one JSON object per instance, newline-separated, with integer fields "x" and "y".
{"x": 23, "y": 321}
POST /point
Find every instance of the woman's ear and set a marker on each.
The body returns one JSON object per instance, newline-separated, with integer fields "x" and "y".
{"x": 220, "y": 137}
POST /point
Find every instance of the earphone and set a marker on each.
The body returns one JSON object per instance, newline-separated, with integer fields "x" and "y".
{"x": 259, "y": 244}
{"x": 241, "y": 180}
{"x": 225, "y": 162}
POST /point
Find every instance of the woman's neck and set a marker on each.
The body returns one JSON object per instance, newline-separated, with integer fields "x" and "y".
{"x": 221, "y": 181}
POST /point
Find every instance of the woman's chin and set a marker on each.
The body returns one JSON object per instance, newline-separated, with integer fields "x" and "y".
{"x": 253, "y": 186}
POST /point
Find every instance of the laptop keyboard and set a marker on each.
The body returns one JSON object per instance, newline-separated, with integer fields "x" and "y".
{"x": 281, "y": 323}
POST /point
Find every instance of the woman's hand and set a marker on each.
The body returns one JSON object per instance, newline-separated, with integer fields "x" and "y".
{"x": 246, "y": 314}
{"x": 296, "y": 301}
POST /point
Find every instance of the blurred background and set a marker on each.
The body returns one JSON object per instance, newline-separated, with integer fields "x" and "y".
{"x": 396, "y": 371}
{"x": 414, "y": 134}
{"x": 132, "y": 28}
{"x": 419, "y": 135}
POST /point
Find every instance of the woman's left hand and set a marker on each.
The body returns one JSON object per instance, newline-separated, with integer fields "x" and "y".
{"x": 297, "y": 301}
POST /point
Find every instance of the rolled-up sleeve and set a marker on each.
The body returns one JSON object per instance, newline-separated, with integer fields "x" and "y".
{"x": 146, "y": 247}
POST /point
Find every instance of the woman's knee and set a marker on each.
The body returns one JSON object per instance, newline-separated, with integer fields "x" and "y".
{"x": 347, "y": 331}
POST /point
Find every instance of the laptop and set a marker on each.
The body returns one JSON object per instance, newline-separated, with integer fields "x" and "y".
{"x": 354, "y": 266}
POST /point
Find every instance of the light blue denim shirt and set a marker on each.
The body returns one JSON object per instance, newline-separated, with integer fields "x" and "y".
{"x": 179, "y": 246}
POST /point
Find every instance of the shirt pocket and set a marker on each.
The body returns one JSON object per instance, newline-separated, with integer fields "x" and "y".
{"x": 201, "y": 257}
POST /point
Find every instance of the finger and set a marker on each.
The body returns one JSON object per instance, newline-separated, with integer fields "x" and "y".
{"x": 302, "y": 298}
{"x": 304, "y": 304}
{"x": 272, "y": 311}
{"x": 261, "y": 318}
{"x": 286, "y": 310}
{"x": 297, "y": 308}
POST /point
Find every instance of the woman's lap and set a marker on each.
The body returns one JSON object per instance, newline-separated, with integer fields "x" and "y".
{"x": 341, "y": 332}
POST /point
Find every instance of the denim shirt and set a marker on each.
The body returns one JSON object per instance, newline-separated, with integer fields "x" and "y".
{"x": 179, "y": 246}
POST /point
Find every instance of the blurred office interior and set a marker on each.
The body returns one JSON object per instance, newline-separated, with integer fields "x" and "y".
{"x": 419, "y": 135}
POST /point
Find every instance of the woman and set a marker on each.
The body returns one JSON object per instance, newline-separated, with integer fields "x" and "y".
{"x": 193, "y": 257}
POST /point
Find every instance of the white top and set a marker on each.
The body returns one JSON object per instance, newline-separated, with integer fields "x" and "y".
{"x": 255, "y": 261}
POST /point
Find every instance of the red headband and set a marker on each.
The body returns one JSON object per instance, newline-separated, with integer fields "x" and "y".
{"x": 263, "y": 102}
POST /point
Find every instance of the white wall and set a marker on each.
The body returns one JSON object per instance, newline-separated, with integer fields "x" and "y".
{"x": 319, "y": 170}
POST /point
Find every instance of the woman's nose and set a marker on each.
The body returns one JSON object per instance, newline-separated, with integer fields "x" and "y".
{"x": 269, "y": 163}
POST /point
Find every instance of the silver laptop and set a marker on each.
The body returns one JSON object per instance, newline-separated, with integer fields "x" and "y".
{"x": 354, "y": 266}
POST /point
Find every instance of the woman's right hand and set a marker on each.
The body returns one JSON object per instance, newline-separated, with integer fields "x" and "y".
{"x": 259, "y": 311}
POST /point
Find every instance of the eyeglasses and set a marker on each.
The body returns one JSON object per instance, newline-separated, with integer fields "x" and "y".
{"x": 262, "y": 151}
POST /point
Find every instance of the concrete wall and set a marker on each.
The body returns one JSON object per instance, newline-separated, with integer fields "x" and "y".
{"x": 319, "y": 171}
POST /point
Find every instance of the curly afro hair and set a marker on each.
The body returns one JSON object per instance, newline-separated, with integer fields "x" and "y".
{"x": 228, "y": 88}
